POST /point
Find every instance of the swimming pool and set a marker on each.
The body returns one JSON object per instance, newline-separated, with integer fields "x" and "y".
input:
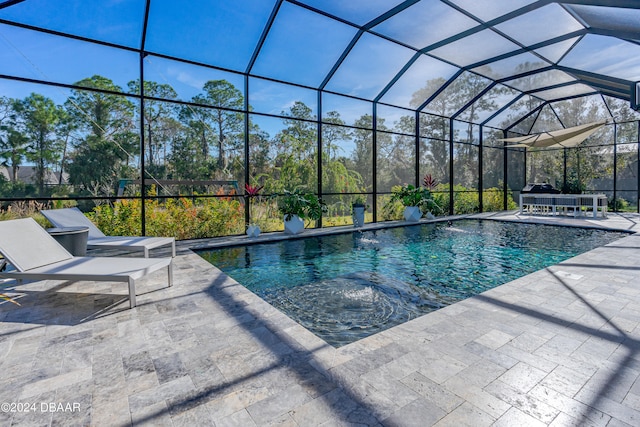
{"x": 348, "y": 286}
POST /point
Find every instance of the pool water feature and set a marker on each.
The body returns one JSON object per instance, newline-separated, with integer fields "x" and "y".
{"x": 348, "y": 286}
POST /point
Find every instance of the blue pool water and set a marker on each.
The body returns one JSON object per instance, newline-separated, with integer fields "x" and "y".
{"x": 348, "y": 286}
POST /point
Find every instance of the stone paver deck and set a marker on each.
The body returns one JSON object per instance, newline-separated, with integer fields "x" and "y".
{"x": 559, "y": 347}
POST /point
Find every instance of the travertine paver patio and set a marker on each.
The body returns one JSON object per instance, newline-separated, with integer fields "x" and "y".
{"x": 558, "y": 347}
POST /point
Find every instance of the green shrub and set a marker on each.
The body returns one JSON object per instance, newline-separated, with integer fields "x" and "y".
{"x": 180, "y": 218}
{"x": 391, "y": 210}
{"x": 619, "y": 205}
{"x": 467, "y": 201}
{"x": 25, "y": 209}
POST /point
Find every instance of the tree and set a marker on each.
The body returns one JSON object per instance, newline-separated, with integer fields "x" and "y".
{"x": 40, "y": 116}
{"x": 435, "y": 127}
{"x": 159, "y": 124}
{"x": 186, "y": 159}
{"x": 333, "y": 131}
{"x": 401, "y": 153}
{"x": 65, "y": 130}
{"x": 13, "y": 144}
{"x": 14, "y": 150}
{"x": 362, "y": 155}
{"x": 337, "y": 175}
{"x": 108, "y": 139}
{"x": 195, "y": 119}
{"x": 300, "y": 136}
{"x": 259, "y": 157}
{"x": 223, "y": 125}
{"x": 294, "y": 158}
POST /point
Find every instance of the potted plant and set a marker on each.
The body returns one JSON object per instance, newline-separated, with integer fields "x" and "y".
{"x": 252, "y": 192}
{"x": 298, "y": 206}
{"x": 412, "y": 198}
{"x": 358, "y": 206}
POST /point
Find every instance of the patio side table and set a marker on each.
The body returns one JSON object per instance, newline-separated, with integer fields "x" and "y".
{"x": 73, "y": 239}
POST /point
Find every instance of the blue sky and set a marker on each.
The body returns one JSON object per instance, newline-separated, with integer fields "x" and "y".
{"x": 301, "y": 47}
{"x": 47, "y": 57}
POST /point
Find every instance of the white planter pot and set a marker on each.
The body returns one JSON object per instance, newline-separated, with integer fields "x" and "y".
{"x": 358, "y": 216}
{"x": 412, "y": 213}
{"x": 293, "y": 226}
{"x": 253, "y": 231}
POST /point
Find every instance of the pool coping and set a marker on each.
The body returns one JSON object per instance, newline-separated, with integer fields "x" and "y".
{"x": 277, "y": 236}
{"x": 308, "y": 338}
{"x": 511, "y": 216}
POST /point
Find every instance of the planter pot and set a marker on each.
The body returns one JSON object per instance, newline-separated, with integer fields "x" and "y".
{"x": 293, "y": 226}
{"x": 358, "y": 216}
{"x": 429, "y": 215}
{"x": 253, "y": 231}
{"x": 412, "y": 213}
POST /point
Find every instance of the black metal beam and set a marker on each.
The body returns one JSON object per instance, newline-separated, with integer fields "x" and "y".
{"x": 340, "y": 60}
{"x": 451, "y": 168}
{"x": 9, "y": 3}
{"x": 388, "y": 14}
{"x": 505, "y": 174}
{"x": 417, "y": 155}
{"x": 506, "y": 80}
{"x": 615, "y": 167}
{"x": 629, "y": 4}
{"x": 247, "y": 140}
{"x": 67, "y": 86}
{"x": 263, "y": 36}
{"x": 399, "y": 8}
{"x": 480, "y": 168}
{"x": 607, "y": 90}
{"x": 439, "y": 91}
{"x": 529, "y": 48}
{"x": 395, "y": 78}
{"x": 474, "y": 99}
{"x": 482, "y": 26}
{"x": 143, "y": 222}
{"x": 374, "y": 160}
{"x": 145, "y": 24}
{"x": 66, "y": 35}
{"x": 320, "y": 153}
{"x": 549, "y": 87}
{"x": 537, "y": 110}
{"x": 322, "y": 12}
{"x": 614, "y": 81}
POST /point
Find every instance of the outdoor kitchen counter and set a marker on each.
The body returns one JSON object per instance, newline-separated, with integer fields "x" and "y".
{"x": 556, "y": 204}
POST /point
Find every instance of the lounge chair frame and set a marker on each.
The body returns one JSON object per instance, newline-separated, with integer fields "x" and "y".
{"x": 73, "y": 217}
{"x": 36, "y": 255}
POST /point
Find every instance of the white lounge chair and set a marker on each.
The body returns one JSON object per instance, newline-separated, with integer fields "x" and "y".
{"x": 37, "y": 256}
{"x": 73, "y": 217}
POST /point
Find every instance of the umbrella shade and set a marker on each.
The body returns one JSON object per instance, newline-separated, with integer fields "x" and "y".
{"x": 567, "y": 138}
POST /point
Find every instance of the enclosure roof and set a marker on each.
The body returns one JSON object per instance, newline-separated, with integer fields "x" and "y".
{"x": 411, "y": 54}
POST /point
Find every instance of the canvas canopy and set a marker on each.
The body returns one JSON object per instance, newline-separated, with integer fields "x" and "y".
{"x": 564, "y": 138}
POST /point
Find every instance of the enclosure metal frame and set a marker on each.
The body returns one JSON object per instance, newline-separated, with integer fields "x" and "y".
{"x": 603, "y": 85}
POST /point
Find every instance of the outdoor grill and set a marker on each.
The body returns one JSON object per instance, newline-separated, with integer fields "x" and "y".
{"x": 542, "y": 188}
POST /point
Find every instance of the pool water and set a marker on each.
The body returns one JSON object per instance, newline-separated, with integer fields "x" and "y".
{"x": 348, "y": 286}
